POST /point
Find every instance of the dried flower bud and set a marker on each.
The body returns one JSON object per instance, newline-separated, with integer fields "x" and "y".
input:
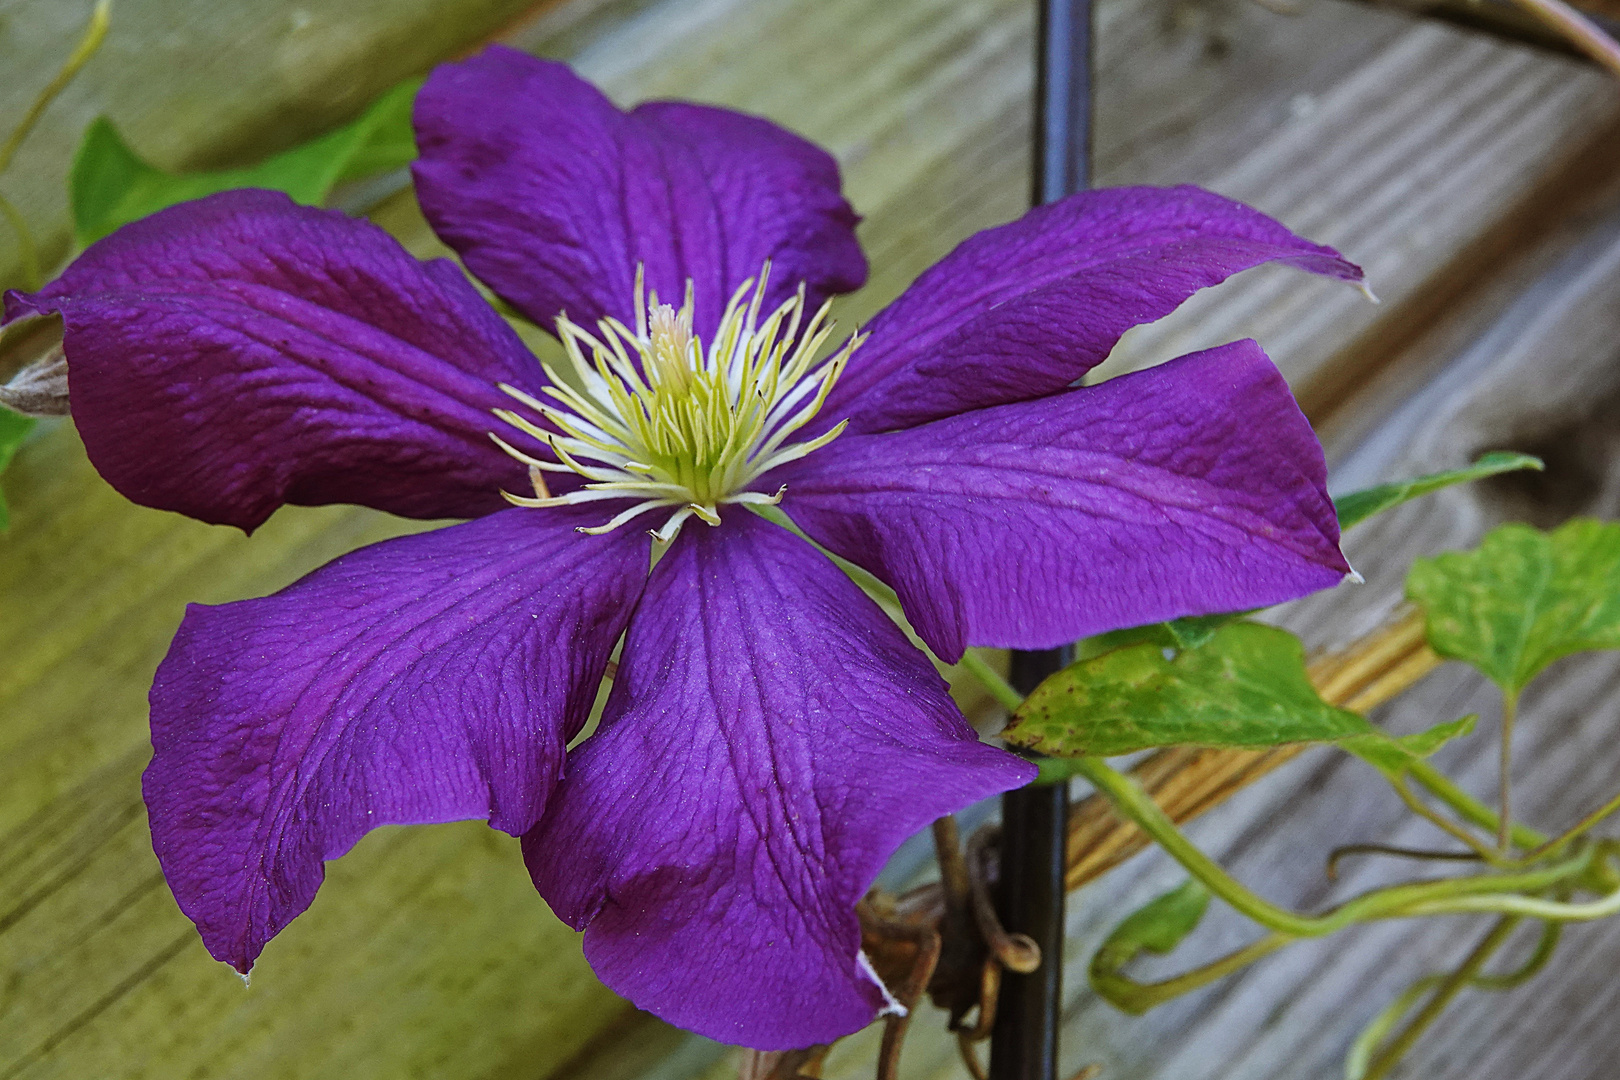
{"x": 32, "y": 348}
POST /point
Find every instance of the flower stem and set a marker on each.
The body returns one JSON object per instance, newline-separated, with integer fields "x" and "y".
{"x": 976, "y": 665}
{"x": 94, "y": 34}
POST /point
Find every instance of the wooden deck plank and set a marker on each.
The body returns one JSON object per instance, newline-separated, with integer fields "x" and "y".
{"x": 1534, "y": 362}
{"x": 427, "y": 943}
{"x": 195, "y": 84}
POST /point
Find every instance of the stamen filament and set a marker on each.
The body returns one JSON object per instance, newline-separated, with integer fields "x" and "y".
{"x": 649, "y": 413}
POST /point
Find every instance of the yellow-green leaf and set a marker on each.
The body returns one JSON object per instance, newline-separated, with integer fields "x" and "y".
{"x": 14, "y": 429}
{"x": 1523, "y": 598}
{"x": 1392, "y": 755}
{"x": 1158, "y": 928}
{"x": 1246, "y": 686}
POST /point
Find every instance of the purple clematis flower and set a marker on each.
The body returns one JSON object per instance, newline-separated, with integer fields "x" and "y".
{"x": 770, "y": 736}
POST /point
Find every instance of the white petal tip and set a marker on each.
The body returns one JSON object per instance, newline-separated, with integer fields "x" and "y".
{"x": 1354, "y": 577}
{"x": 1366, "y": 290}
{"x": 891, "y": 1005}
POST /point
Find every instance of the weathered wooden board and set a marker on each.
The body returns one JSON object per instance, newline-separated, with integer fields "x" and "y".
{"x": 1533, "y": 360}
{"x": 195, "y": 83}
{"x": 1536, "y": 363}
{"x": 427, "y": 953}
{"x": 1530, "y": 358}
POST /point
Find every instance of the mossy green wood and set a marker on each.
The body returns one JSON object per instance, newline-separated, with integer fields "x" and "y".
{"x": 1523, "y": 598}
{"x": 428, "y": 952}
{"x": 211, "y": 83}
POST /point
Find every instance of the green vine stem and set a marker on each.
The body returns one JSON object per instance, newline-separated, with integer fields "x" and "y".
{"x": 1576, "y": 831}
{"x": 991, "y": 680}
{"x": 1494, "y": 892}
{"x": 1467, "y": 807}
{"x": 1531, "y": 906}
{"x": 1137, "y": 998}
{"x": 1450, "y": 986}
{"x": 1361, "y": 1051}
{"x": 1443, "y": 823}
{"x": 28, "y": 248}
{"x": 1504, "y": 826}
{"x": 94, "y": 34}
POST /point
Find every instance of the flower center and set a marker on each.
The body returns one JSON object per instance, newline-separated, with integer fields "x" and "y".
{"x": 651, "y": 415}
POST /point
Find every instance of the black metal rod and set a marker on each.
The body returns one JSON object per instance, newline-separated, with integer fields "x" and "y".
{"x": 1024, "y": 1042}
{"x": 1062, "y": 163}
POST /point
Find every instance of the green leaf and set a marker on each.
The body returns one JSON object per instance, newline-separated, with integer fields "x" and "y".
{"x": 389, "y": 140}
{"x": 1358, "y": 506}
{"x": 1156, "y": 928}
{"x": 111, "y": 186}
{"x": 14, "y": 428}
{"x": 1523, "y": 598}
{"x": 1392, "y": 755}
{"x": 1188, "y": 633}
{"x": 1246, "y": 687}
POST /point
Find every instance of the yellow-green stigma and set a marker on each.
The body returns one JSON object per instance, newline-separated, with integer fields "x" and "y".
{"x": 649, "y": 415}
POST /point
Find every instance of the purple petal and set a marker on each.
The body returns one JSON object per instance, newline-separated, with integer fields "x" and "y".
{"x": 232, "y": 354}
{"x": 552, "y": 195}
{"x": 1027, "y": 308}
{"x": 431, "y": 678}
{"x": 1190, "y": 488}
{"x": 771, "y": 738}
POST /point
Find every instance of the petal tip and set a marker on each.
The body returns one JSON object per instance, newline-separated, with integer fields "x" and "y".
{"x": 892, "y": 1005}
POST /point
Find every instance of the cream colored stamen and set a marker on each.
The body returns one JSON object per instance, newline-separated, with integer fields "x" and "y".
{"x": 652, "y": 416}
